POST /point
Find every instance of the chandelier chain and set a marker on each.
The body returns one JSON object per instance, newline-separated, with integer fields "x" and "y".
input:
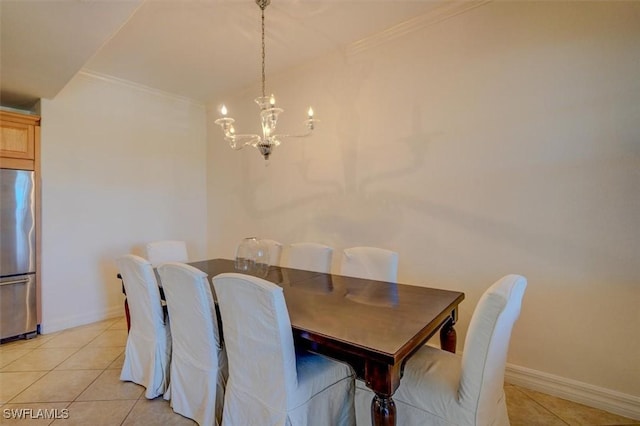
{"x": 263, "y": 78}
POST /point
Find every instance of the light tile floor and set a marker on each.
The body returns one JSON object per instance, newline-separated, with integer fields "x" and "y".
{"x": 76, "y": 372}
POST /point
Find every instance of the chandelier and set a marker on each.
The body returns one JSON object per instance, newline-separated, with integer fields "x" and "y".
{"x": 268, "y": 116}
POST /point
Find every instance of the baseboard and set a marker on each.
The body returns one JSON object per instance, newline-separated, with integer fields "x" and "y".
{"x": 605, "y": 399}
{"x": 58, "y": 324}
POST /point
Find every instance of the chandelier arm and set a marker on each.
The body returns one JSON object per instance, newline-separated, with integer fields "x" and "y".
{"x": 248, "y": 138}
{"x": 310, "y": 126}
{"x": 238, "y": 142}
{"x": 304, "y": 135}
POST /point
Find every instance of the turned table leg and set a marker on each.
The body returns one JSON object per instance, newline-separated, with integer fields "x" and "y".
{"x": 448, "y": 337}
{"x": 383, "y": 411}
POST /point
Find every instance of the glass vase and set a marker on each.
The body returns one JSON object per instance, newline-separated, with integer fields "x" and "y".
{"x": 252, "y": 257}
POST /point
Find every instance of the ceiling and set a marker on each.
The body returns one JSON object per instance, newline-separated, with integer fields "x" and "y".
{"x": 194, "y": 49}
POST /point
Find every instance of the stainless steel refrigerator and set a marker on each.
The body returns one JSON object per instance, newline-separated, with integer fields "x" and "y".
{"x": 17, "y": 253}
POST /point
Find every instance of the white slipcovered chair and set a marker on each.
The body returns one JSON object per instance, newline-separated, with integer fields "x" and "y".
{"x": 275, "y": 251}
{"x": 269, "y": 384}
{"x": 148, "y": 350}
{"x": 198, "y": 361}
{"x": 370, "y": 263}
{"x": 310, "y": 256}
{"x": 440, "y": 388}
{"x": 166, "y": 251}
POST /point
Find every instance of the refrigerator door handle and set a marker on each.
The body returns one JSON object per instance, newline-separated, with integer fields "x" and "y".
{"x": 14, "y": 281}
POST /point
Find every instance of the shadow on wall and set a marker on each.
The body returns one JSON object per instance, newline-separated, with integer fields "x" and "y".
{"x": 341, "y": 204}
{"x": 365, "y": 207}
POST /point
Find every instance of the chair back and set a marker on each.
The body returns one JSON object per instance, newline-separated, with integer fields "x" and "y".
{"x": 259, "y": 342}
{"x": 370, "y": 263}
{"x": 148, "y": 349}
{"x": 310, "y": 256}
{"x": 486, "y": 346}
{"x": 275, "y": 251}
{"x": 195, "y": 332}
{"x": 166, "y": 251}
{"x": 143, "y": 294}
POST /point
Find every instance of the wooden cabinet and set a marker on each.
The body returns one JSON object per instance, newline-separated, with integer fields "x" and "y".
{"x": 19, "y": 140}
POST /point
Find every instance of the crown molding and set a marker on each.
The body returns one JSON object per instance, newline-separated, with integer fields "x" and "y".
{"x": 139, "y": 87}
{"x": 439, "y": 14}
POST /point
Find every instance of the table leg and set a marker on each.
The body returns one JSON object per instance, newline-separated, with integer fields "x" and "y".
{"x": 448, "y": 336}
{"x": 383, "y": 411}
{"x": 383, "y": 379}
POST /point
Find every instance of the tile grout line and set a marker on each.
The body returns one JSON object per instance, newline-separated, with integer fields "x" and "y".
{"x": 130, "y": 411}
{"x": 545, "y": 408}
{"x": 100, "y": 374}
{"x": 103, "y": 372}
{"x": 94, "y": 380}
{"x": 30, "y": 351}
{"x": 49, "y": 371}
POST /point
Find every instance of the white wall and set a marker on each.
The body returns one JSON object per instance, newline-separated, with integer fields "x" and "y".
{"x": 121, "y": 166}
{"x": 502, "y": 140}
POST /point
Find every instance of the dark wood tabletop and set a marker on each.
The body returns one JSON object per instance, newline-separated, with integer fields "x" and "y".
{"x": 374, "y": 326}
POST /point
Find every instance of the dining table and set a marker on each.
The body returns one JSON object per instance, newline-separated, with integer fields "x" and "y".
{"x": 374, "y": 326}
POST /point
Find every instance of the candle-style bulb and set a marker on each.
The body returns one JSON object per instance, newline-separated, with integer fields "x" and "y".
{"x": 272, "y": 101}
{"x": 223, "y": 110}
{"x": 310, "y": 112}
